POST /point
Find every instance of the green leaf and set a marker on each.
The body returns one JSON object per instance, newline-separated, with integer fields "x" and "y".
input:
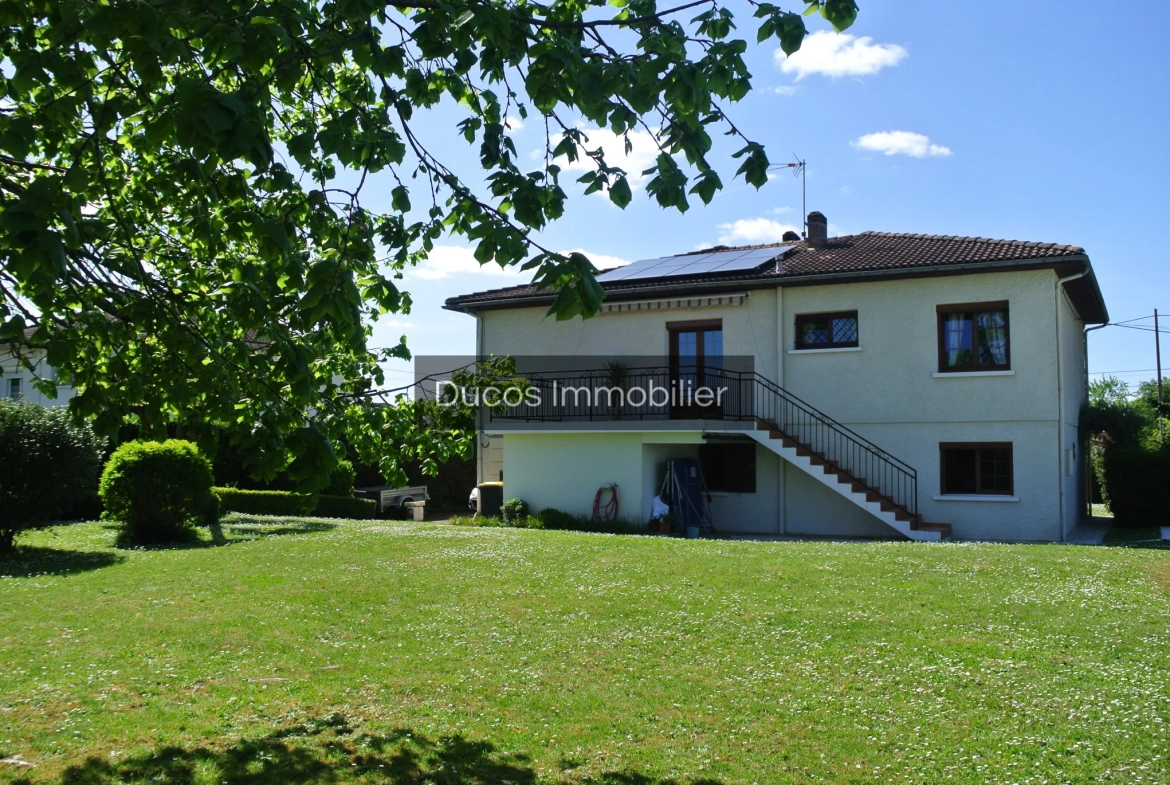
{"x": 619, "y": 192}
{"x": 400, "y": 199}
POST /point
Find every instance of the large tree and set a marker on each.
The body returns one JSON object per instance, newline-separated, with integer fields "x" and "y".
{"x": 181, "y": 217}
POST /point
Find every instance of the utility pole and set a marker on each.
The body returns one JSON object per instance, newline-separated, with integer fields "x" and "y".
{"x": 1158, "y": 363}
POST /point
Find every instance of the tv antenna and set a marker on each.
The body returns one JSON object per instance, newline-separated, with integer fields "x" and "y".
{"x": 799, "y": 169}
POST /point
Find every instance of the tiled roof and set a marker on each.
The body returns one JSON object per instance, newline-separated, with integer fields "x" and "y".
{"x": 839, "y": 257}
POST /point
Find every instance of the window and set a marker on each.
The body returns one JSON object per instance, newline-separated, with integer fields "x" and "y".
{"x": 973, "y": 337}
{"x": 826, "y": 330}
{"x": 696, "y": 349}
{"x": 977, "y": 468}
{"x": 14, "y": 391}
{"x": 696, "y": 345}
{"x": 729, "y": 466}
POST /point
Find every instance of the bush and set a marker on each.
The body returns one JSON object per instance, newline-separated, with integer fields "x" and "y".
{"x": 50, "y": 466}
{"x": 514, "y": 510}
{"x": 345, "y": 507}
{"x": 551, "y": 518}
{"x": 264, "y": 502}
{"x": 341, "y": 479}
{"x": 491, "y": 521}
{"x": 158, "y": 490}
{"x": 1136, "y": 485}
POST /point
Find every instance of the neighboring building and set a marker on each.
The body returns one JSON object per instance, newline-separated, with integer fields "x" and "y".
{"x": 899, "y": 381}
{"x": 20, "y": 367}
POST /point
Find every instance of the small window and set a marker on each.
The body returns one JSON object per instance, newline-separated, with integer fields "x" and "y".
{"x": 14, "y": 391}
{"x": 826, "y": 330}
{"x": 977, "y": 468}
{"x": 973, "y": 337}
{"x": 729, "y": 467}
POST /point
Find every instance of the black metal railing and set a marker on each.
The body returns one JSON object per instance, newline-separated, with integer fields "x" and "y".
{"x": 666, "y": 393}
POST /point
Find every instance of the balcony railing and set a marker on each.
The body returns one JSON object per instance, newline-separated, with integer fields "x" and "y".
{"x": 674, "y": 393}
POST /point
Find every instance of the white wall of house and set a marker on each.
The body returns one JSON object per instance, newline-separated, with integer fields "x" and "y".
{"x": 1073, "y": 395}
{"x": 565, "y": 470}
{"x": 11, "y": 368}
{"x": 888, "y": 390}
{"x": 748, "y": 330}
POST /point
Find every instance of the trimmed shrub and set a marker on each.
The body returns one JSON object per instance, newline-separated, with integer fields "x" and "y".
{"x": 556, "y": 519}
{"x": 550, "y": 518}
{"x": 345, "y": 507}
{"x": 50, "y": 466}
{"x": 264, "y": 502}
{"x": 341, "y": 479}
{"x": 158, "y": 490}
{"x": 513, "y": 510}
{"x": 1136, "y": 485}
{"x": 491, "y": 521}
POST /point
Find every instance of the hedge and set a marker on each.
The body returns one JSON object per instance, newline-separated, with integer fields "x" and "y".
{"x": 263, "y": 502}
{"x": 1137, "y": 485}
{"x": 344, "y": 507}
{"x": 50, "y": 465}
{"x": 293, "y": 504}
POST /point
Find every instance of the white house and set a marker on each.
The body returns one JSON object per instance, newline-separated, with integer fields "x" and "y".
{"x": 906, "y": 383}
{"x": 21, "y": 366}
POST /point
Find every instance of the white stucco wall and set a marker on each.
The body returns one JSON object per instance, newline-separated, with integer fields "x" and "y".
{"x": 748, "y": 330}
{"x": 12, "y": 367}
{"x": 1073, "y": 395}
{"x": 889, "y": 391}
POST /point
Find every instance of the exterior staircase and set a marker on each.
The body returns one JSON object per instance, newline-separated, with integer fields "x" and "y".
{"x": 846, "y": 462}
{"x": 855, "y": 489}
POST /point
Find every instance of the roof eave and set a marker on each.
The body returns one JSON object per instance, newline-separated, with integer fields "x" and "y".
{"x": 971, "y": 268}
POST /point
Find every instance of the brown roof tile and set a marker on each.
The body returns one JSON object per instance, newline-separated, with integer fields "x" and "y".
{"x": 868, "y": 252}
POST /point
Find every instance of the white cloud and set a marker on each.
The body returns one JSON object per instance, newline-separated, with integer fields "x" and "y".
{"x": 600, "y": 261}
{"x": 445, "y": 261}
{"x": 847, "y": 190}
{"x": 399, "y": 323}
{"x": 837, "y": 55}
{"x": 902, "y": 143}
{"x": 643, "y": 152}
{"x": 755, "y": 230}
{"x": 780, "y": 211}
{"x": 784, "y": 89}
{"x": 513, "y": 124}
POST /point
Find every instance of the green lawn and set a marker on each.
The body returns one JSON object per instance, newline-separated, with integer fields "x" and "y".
{"x": 413, "y": 653}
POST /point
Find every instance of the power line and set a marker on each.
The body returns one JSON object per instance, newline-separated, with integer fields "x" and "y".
{"x": 1137, "y": 327}
{"x": 1127, "y": 321}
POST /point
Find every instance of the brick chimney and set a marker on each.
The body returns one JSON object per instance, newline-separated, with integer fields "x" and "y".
{"x": 818, "y": 229}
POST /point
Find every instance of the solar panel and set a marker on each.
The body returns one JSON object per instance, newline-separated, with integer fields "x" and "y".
{"x": 751, "y": 259}
{"x": 694, "y": 264}
{"x": 659, "y": 271}
{"x": 623, "y": 272}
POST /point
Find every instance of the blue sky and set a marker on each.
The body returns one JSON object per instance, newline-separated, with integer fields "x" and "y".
{"x": 1031, "y": 121}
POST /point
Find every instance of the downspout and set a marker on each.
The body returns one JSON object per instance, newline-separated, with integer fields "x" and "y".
{"x": 480, "y": 427}
{"x": 782, "y": 479}
{"x": 1060, "y": 398}
{"x": 1088, "y": 448}
{"x": 1060, "y": 282}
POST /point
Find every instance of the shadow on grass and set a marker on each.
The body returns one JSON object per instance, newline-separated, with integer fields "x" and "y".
{"x": 242, "y": 530}
{"x": 250, "y": 528}
{"x": 1136, "y": 536}
{"x": 27, "y": 561}
{"x": 330, "y": 751}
